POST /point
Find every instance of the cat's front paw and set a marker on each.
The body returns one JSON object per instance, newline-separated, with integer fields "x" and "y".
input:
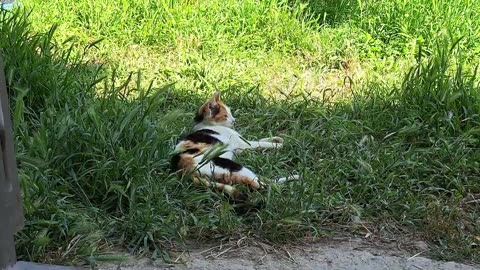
{"x": 277, "y": 145}
{"x": 277, "y": 142}
{"x": 274, "y": 139}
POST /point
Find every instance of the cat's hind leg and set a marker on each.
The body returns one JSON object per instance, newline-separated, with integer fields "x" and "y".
{"x": 228, "y": 189}
{"x": 227, "y": 171}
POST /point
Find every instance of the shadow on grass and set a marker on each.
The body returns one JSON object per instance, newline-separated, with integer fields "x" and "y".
{"x": 330, "y": 12}
{"x": 94, "y": 161}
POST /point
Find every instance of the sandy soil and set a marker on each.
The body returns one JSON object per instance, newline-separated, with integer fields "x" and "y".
{"x": 351, "y": 255}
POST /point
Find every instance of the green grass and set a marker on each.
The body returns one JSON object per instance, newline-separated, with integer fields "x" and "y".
{"x": 95, "y": 122}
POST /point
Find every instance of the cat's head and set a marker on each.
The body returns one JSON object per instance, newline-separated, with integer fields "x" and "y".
{"x": 215, "y": 112}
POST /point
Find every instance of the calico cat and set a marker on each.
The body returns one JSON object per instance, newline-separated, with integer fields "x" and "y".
{"x": 206, "y": 154}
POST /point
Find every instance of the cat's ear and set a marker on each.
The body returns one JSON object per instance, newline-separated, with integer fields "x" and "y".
{"x": 216, "y": 96}
{"x": 213, "y": 107}
{"x": 214, "y": 103}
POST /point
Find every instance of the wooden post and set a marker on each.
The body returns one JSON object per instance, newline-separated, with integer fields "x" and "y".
{"x": 11, "y": 213}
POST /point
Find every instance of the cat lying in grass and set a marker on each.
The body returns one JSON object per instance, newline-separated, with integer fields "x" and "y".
{"x": 206, "y": 154}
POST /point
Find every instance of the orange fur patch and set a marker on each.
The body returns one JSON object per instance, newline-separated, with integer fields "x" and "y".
{"x": 204, "y": 110}
{"x": 236, "y": 179}
{"x": 186, "y": 164}
{"x": 222, "y": 115}
{"x": 184, "y": 145}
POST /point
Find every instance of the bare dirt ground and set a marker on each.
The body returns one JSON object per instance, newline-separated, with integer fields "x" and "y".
{"x": 351, "y": 254}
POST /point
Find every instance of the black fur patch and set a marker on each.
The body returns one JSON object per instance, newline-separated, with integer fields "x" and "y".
{"x": 228, "y": 164}
{"x": 174, "y": 163}
{"x": 198, "y": 118}
{"x": 191, "y": 151}
{"x": 202, "y": 136}
{"x": 207, "y": 131}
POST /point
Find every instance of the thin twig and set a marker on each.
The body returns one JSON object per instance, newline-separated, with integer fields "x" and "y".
{"x": 290, "y": 255}
{"x": 414, "y": 256}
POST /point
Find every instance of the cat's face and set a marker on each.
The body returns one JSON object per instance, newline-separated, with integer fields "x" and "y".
{"x": 215, "y": 112}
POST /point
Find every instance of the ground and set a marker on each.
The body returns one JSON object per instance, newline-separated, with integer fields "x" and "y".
{"x": 352, "y": 254}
